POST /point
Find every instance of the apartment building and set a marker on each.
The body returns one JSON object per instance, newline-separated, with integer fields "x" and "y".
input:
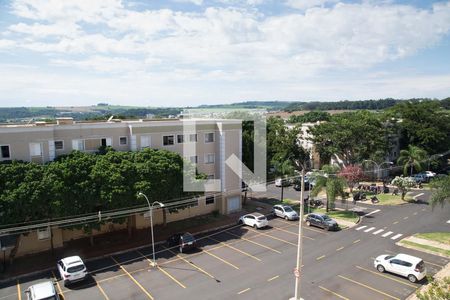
{"x": 214, "y": 140}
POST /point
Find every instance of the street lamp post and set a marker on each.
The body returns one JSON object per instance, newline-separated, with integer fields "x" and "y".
{"x": 298, "y": 272}
{"x": 150, "y": 209}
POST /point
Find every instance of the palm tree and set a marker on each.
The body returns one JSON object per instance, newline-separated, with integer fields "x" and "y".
{"x": 331, "y": 183}
{"x": 412, "y": 158}
{"x": 440, "y": 190}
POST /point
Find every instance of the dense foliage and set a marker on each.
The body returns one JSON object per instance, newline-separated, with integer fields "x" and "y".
{"x": 82, "y": 183}
{"x": 309, "y": 117}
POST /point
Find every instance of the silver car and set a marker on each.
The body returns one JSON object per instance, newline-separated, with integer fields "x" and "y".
{"x": 42, "y": 291}
{"x": 284, "y": 211}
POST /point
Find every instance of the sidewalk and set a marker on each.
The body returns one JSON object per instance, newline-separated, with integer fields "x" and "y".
{"x": 110, "y": 243}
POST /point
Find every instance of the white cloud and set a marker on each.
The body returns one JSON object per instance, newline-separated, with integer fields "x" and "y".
{"x": 196, "y": 2}
{"x": 305, "y": 4}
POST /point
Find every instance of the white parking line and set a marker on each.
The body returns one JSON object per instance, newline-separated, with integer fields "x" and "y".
{"x": 418, "y": 195}
{"x": 387, "y": 234}
{"x": 362, "y": 227}
{"x": 378, "y": 231}
{"x": 372, "y": 212}
{"x": 396, "y": 236}
{"x": 370, "y": 229}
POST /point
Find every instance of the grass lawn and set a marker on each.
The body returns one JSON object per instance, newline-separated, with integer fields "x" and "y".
{"x": 338, "y": 214}
{"x": 389, "y": 199}
{"x": 441, "y": 237}
{"x": 430, "y": 248}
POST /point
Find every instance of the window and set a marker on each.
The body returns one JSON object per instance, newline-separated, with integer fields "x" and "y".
{"x": 168, "y": 140}
{"x": 59, "y": 145}
{"x": 180, "y": 139}
{"x": 146, "y": 141}
{"x": 209, "y": 137}
{"x": 193, "y": 159}
{"x": 209, "y": 200}
{"x": 104, "y": 143}
{"x": 35, "y": 149}
{"x": 43, "y": 233}
{"x": 78, "y": 145}
{"x": 123, "y": 140}
{"x": 193, "y": 137}
{"x": 209, "y": 158}
{"x": 5, "y": 152}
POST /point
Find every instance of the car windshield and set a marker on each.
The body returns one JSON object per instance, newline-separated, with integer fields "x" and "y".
{"x": 325, "y": 217}
{"x": 188, "y": 238}
{"x": 261, "y": 218}
{"x": 287, "y": 209}
{"x": 388, "y": 257}
{"x": 74, "y": 269}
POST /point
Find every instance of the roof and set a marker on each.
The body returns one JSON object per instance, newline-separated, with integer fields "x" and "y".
{"x": 71, "y": 259}
{"x": 256, "y": 214}
{"x": 42, "y": 290}
{"x": 408, "y": 258}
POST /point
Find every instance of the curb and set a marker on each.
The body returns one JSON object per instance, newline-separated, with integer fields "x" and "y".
{"x": 399, "y": 243}
{"x": 17, "y": 277}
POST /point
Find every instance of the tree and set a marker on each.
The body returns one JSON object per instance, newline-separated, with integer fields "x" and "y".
{"x": 283, "y": 168}
{"x": 312, "y": 116}
{"x": 404, "y": 184}
{"x": 440, "y": 190}
{"x": 423, "y": 124}
{"x": 332, "y": 184}
{"x": 352, "y": 137}
{"x": 439, "y": 290}
{"x": 413, "y": 158}
{"x": 352, "y": 174}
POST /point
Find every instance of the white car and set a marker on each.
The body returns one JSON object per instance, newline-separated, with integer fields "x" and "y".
{"x": 255, "y": 220}
{"x": 402, "y": 264}
{"x": 284, "y": 211}
{"x": 71, "y": 269}
{"x": 282, "y": 182}
{"x": 42, "y": 291}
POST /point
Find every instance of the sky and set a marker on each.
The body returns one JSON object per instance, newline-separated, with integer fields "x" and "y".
{"x": 192, "y": 52}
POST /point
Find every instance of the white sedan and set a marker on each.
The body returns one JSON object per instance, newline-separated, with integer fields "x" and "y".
{"x": 255, "y": 220}
{"x": 71, "y": 269}
{"x": 402, "y": 264}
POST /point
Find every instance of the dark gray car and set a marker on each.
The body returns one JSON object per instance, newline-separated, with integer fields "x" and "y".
{"x": 322, "y": 221}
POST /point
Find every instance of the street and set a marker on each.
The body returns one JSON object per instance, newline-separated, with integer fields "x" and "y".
{"x": 241, "y": 262}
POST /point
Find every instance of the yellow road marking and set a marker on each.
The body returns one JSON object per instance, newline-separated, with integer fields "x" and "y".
{"x": 405, "y": 218}
{"x": 243, "y": 291}
{"x": 273, "y": 278}
{"x": 368, "y": 287}
{"x": 274, "y": 237}
{"x": 164, "y": 271}
{"x": 132, "y": 278}
{"x": 19, "y": 294}
{"x": 294, "y": 233}
{"x": 357, "y": 241}
{"x": 253, "y": 242}
{"x": 320, "y": 257}
{"x": 339, "y": 249}
{"x": 221, "y": 259}
{"x": 192, "y": 264}
{"x": 58, "y": 286}
{"x": 396, "y": 222}
{"x": 103, "y": 292}
{"x": 235, "y": 249}
{"x": 385, "y": 276}
{"x": 334, "y": 293}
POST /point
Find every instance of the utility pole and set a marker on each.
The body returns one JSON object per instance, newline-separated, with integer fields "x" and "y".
{"x": 298, "y": 269}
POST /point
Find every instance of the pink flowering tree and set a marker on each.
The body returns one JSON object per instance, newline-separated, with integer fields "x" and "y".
{"x": 352, "y": 174}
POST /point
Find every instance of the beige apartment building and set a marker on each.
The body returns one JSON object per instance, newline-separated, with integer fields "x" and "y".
{"x": 214, "y": 141}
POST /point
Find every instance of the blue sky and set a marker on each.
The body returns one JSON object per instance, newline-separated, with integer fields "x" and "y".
{"x": 191, "y": 52}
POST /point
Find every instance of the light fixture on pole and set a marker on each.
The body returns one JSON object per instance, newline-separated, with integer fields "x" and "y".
{"x": 150, "y": 210}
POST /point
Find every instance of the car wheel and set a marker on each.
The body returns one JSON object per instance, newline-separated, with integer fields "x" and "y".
{"x": 66, "y": 283}
{"x": 181, "y": 249}
{"x": 254, "y": 226}
{"x": 308, "y": 223}
{"x": 286, "y": 218}
{"x": 412, "y": 278}
{"x": 240, "y": 222}
{"x": 327, "y": 228}
{"x": 380, "y": 268}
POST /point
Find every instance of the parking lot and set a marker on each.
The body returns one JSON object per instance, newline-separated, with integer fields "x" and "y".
{"x": 242, "y": 262}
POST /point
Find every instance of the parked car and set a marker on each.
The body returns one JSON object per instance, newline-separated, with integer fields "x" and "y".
{"x": 322, "y": 221}
{"x": 184, "y": 241}
{"x": 429, "y": 174}
{"x": 402, "y": 264}
{"x": 284, "y": 211}
{"x": 71, "y": 269}
{"x": 298, "y": 186}
{"x": 255, "y": 220}
{"x": 420, "y": 178}
{"x": 42, "y": 291}
{"x": 282, "y": 182}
